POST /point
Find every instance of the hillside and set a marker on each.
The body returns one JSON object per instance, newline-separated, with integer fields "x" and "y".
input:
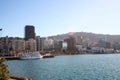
{"x": 91, "y": 37}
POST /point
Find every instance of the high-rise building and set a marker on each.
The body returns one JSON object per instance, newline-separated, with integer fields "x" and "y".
{"x": 42, "y": 43}
{"x": 38, "y": 41}
{"x": 49, "y": 44}
{"x": 70, "y": 43}
{"x": 29, "y": 32}
{"x": 78, "y": 40}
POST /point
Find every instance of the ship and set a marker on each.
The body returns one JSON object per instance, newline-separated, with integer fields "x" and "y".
{"x": 32, "y": 55}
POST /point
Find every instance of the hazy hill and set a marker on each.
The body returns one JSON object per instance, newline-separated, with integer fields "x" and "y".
{"x": 92, "y": 37}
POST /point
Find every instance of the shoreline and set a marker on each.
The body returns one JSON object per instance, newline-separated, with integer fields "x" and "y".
{"x": 11, "y": 57}
{"x": 19, "y": 78}
{"x": 18, "y": 58}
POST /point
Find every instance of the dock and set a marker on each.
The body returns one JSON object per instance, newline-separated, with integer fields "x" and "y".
{"x": 11, "y": 57}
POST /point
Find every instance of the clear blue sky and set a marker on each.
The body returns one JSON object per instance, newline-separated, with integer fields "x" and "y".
{"x": 52, "y": 17}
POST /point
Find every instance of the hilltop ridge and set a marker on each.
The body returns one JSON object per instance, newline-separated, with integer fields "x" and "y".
{"x": 92, "y": 37}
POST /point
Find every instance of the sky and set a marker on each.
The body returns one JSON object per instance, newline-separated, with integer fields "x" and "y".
{"x": 53, "y": 17}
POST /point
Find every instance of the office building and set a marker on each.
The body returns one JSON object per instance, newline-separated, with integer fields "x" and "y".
{"x": 29, "y": 32}
{"x": 38, "y": 41}
{"x": 70, "y": 43}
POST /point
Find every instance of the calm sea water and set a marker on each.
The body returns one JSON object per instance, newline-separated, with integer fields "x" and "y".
{"x": 71, "y": 67}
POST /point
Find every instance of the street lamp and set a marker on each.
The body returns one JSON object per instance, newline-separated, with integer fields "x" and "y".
{"x": 1, "y": 33}
{"x": 0, "y": 42}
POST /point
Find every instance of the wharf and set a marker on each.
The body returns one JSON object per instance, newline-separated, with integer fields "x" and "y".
{"x": 11, "y": 57}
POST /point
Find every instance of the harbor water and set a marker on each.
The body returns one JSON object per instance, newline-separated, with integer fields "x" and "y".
{"x": 69, "y": 67}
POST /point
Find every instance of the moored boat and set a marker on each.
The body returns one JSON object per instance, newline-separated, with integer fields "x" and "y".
{"x": 48, "y": 55}
{"x": 33, "y": 55}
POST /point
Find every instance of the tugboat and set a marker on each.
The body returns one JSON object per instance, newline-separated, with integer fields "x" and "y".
{"x": 48, "y": 55}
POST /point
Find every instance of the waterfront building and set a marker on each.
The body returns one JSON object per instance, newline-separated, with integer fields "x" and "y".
{"x": 29, "y": 32}
{"x": 104, "y": 43}
{"x": 5, "y": 44}
{"x": 109, "y": 50}
{"x": 38, "y": 41}
{"x": 97, "y": 50}
{"x": 116, "y": 45}
{"x": 70, "y": 43}
{"x": 42, "y": 43}
{"x": 60, "y": 44}
{"x": 18, "y": 45}
{"x": 108, "y": 45}
{"x": 79, "y": 47}
{"x": 78, "y": 40}
{"x": 49, "y": 44}
{"x": 94, "y": 44}
{"x": 64, "y": 45}
{"x": 30, "y": 45}
{"x": 56, "y": 45}
{"x": 9, "y": 45}
{"x": 1, "y": 44}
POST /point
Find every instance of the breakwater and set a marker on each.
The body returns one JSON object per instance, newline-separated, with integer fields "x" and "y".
{"x": 11, "y": 57}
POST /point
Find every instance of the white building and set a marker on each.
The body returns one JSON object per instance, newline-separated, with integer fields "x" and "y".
{"x": 18, "y": 45}
{"x": 64, "y": 45}
{"x": 31, "y": 45}
{"x": 49, "y": 43}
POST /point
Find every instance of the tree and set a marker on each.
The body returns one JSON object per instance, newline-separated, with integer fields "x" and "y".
{"x": 3, "y": 70}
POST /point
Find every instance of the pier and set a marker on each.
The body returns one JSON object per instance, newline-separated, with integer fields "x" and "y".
{"x": 11, "y": 57}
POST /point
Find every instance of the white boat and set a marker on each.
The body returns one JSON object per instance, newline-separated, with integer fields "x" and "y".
{"x": 48, "y": 55}
{"x": 33, "y": 55}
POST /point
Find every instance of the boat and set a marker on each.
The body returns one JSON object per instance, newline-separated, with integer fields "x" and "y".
{"x": 33, "y": 55}
{"x": 48, "y": 55}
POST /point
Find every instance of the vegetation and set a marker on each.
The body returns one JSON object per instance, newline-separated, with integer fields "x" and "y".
{"x": 3, "y": 70}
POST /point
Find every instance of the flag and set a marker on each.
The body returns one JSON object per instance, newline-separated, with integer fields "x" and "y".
{"x": 0, "y": 29}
